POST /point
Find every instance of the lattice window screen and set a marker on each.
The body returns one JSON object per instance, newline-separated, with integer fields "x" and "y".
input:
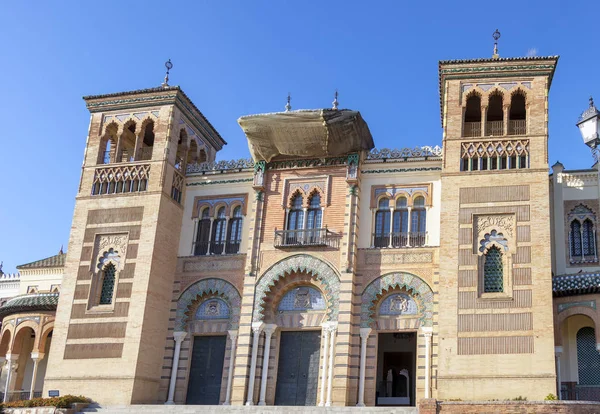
{"x": 108, "y": 285}
{"x": 588, "y": 358}
{"x": 493, "y": 272}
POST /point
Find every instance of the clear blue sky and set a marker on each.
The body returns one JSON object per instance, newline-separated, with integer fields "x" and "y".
{"x": 241, "y": 57}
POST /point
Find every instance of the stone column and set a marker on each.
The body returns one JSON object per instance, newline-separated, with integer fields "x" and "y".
{"x": 210, "y": 240}
{"x": 257, "y": 328}
{"x": 10, "y": 365}
{"x": 269, "y": 329}
{"x": 324, "y": 366}
{"x": 332, "y": 331}
{"x": 233, "y": 340}
{"x": 36, "y": 357}
{"x": 428, "y": 332}
{"x": 409, "y": 226}
{"x": 364, "y": 336}
{"x": 178, "y": 336}
{"x": 558, "y": 352}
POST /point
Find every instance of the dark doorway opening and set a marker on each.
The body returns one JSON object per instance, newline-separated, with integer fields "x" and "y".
{"x": 298, "y": 370}
{"x": 206, "y": 371}
{"x": 396, "y": 367}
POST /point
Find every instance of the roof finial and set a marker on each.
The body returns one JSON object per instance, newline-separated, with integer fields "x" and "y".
{"x": 496, "y": 36}
{"x": 169, "y": 66}
{"x": 591, "y": 102}
{"x": 288, "y": 107}
{"x": 61, "y": 249}
{"x": 1, "y": 272}
{"x": 335, "y": 101}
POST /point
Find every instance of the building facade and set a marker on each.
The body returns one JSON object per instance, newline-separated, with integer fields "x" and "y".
{"x": 324, "y": 271}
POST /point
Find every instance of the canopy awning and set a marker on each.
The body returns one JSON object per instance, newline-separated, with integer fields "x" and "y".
{"x": 306, "y": 133}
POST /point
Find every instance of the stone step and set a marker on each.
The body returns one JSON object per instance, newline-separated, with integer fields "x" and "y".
{"x": 239, "y": 409}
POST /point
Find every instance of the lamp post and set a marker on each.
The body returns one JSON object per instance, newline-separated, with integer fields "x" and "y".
{"x": 589, "y": 126}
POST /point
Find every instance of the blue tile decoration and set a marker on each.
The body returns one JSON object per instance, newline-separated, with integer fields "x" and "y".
{"x": 293, "y": 264}
{"x": 398, "y": 304}
{"x": 212, "y": 308}
{"x": 418, "y": 290}
{"x": 226, "y": 291}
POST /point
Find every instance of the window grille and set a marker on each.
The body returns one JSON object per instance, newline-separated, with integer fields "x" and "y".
{"x": 588, "y": 358}
{"x": 575, "y": 238}
{"x": 494, "y": 155}
{"x": 108, "y": 284}
{"x": 493, "y": 272}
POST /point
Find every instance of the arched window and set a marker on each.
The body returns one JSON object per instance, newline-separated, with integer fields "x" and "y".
{"x": 418, "y": 224}
{"x": 108, "y": 284}
{"x": 495, "y": 116}
{"x": 145, "y": 151}
{"x": 182, "y": 151}
{"x": 575, "y": 239}
{"x": 218, "y": 234}
{"x": 295, "y": 222}
{"x": 517, "y": 115}
{"x": 588, "y": 358}
{"x": 314, "y": 220}
{"x": 203, "y": 233}
{"x": 493, "y": 271}
{"x": 382, "y": 224}
{"x": 400, "y": 230}
{"x": 234, "y": 233}
{"x": 589, "y": 239}
{"x": 472, "y": 124}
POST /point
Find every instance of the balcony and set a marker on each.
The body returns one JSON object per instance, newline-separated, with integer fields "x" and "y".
{"x": 306, "y": 238}
{"x": 517, "y": 127}
{"x": 472, "y": 129}
{"x": 494, "y": 128}
{"x": 399, "y": 240}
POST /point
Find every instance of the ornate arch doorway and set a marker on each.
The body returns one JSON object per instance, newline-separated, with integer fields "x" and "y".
{"x": 396, "y": 315}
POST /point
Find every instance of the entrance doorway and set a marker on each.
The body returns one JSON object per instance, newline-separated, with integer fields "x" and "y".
{"x": 298, "y": 371}
{"x": 206, "y": 372}
{"x": 396, "y": 367}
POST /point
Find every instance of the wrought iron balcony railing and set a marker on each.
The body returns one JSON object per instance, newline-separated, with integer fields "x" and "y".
{"x": 472, "y": 129}
{"x": 494, "y": 128}
{"x": 306, "y": 238}
{"x": 517, "y": 127}
{"x": 400, "y": 240}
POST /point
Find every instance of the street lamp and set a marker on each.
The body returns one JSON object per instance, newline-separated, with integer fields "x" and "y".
{"x": 589, "y": 126}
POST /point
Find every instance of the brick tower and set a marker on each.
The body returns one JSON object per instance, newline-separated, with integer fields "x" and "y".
{"x": 116, "y": 294}
{"x": 495, "y": 310}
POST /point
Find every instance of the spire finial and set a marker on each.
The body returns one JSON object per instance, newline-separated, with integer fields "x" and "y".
{"x": 591, "y": 102}
{"x": 335, "y": 101}
{"x": 169, "y": 66}
{"x": 496, "y": 36}
{"x": 288, "y": 106}
{"x": 61, "y": 249}
{"x": 1, "y": 272}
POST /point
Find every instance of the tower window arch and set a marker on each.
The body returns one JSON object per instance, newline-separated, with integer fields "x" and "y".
{"x": 517, "y": 124}
{"x": 472, "y": 120}
{"x": 495, "y": 115}
{"x": 382, "y": 224}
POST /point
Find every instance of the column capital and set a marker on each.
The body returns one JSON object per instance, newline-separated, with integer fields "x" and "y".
{"x": 37, "y": 356}
{"x": 232, "y": 334}
{"x": 179, "y": 335}
{"x": 257, "y": 327}
{"x": 269, "y": 329}
{"x": 559, "y": 350}
{"x": 12, "y": 357}
{"x": 427, "y": 331}
{"x": 329, "y": 326}
{"x": 365, "y": 332}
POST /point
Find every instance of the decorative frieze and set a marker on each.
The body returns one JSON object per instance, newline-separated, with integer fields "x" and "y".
{"x": 404, "y": 153}
{"x": 584, "y": 303}
{"x": 376, "y": 257}
{"x": 212, "y": 264}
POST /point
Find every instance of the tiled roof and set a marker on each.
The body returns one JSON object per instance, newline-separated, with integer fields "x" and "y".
{"x": 52, "y": 261}
{"x": 577, "y": 284}
{"x": 29, "y": 303}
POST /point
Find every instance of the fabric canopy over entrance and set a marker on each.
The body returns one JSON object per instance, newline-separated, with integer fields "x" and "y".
{"x": 306, "y": 133}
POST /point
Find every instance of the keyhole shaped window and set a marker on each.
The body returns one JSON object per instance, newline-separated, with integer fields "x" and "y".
{"x": 493, "y": 271}
{"x": 108, "y": 284}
